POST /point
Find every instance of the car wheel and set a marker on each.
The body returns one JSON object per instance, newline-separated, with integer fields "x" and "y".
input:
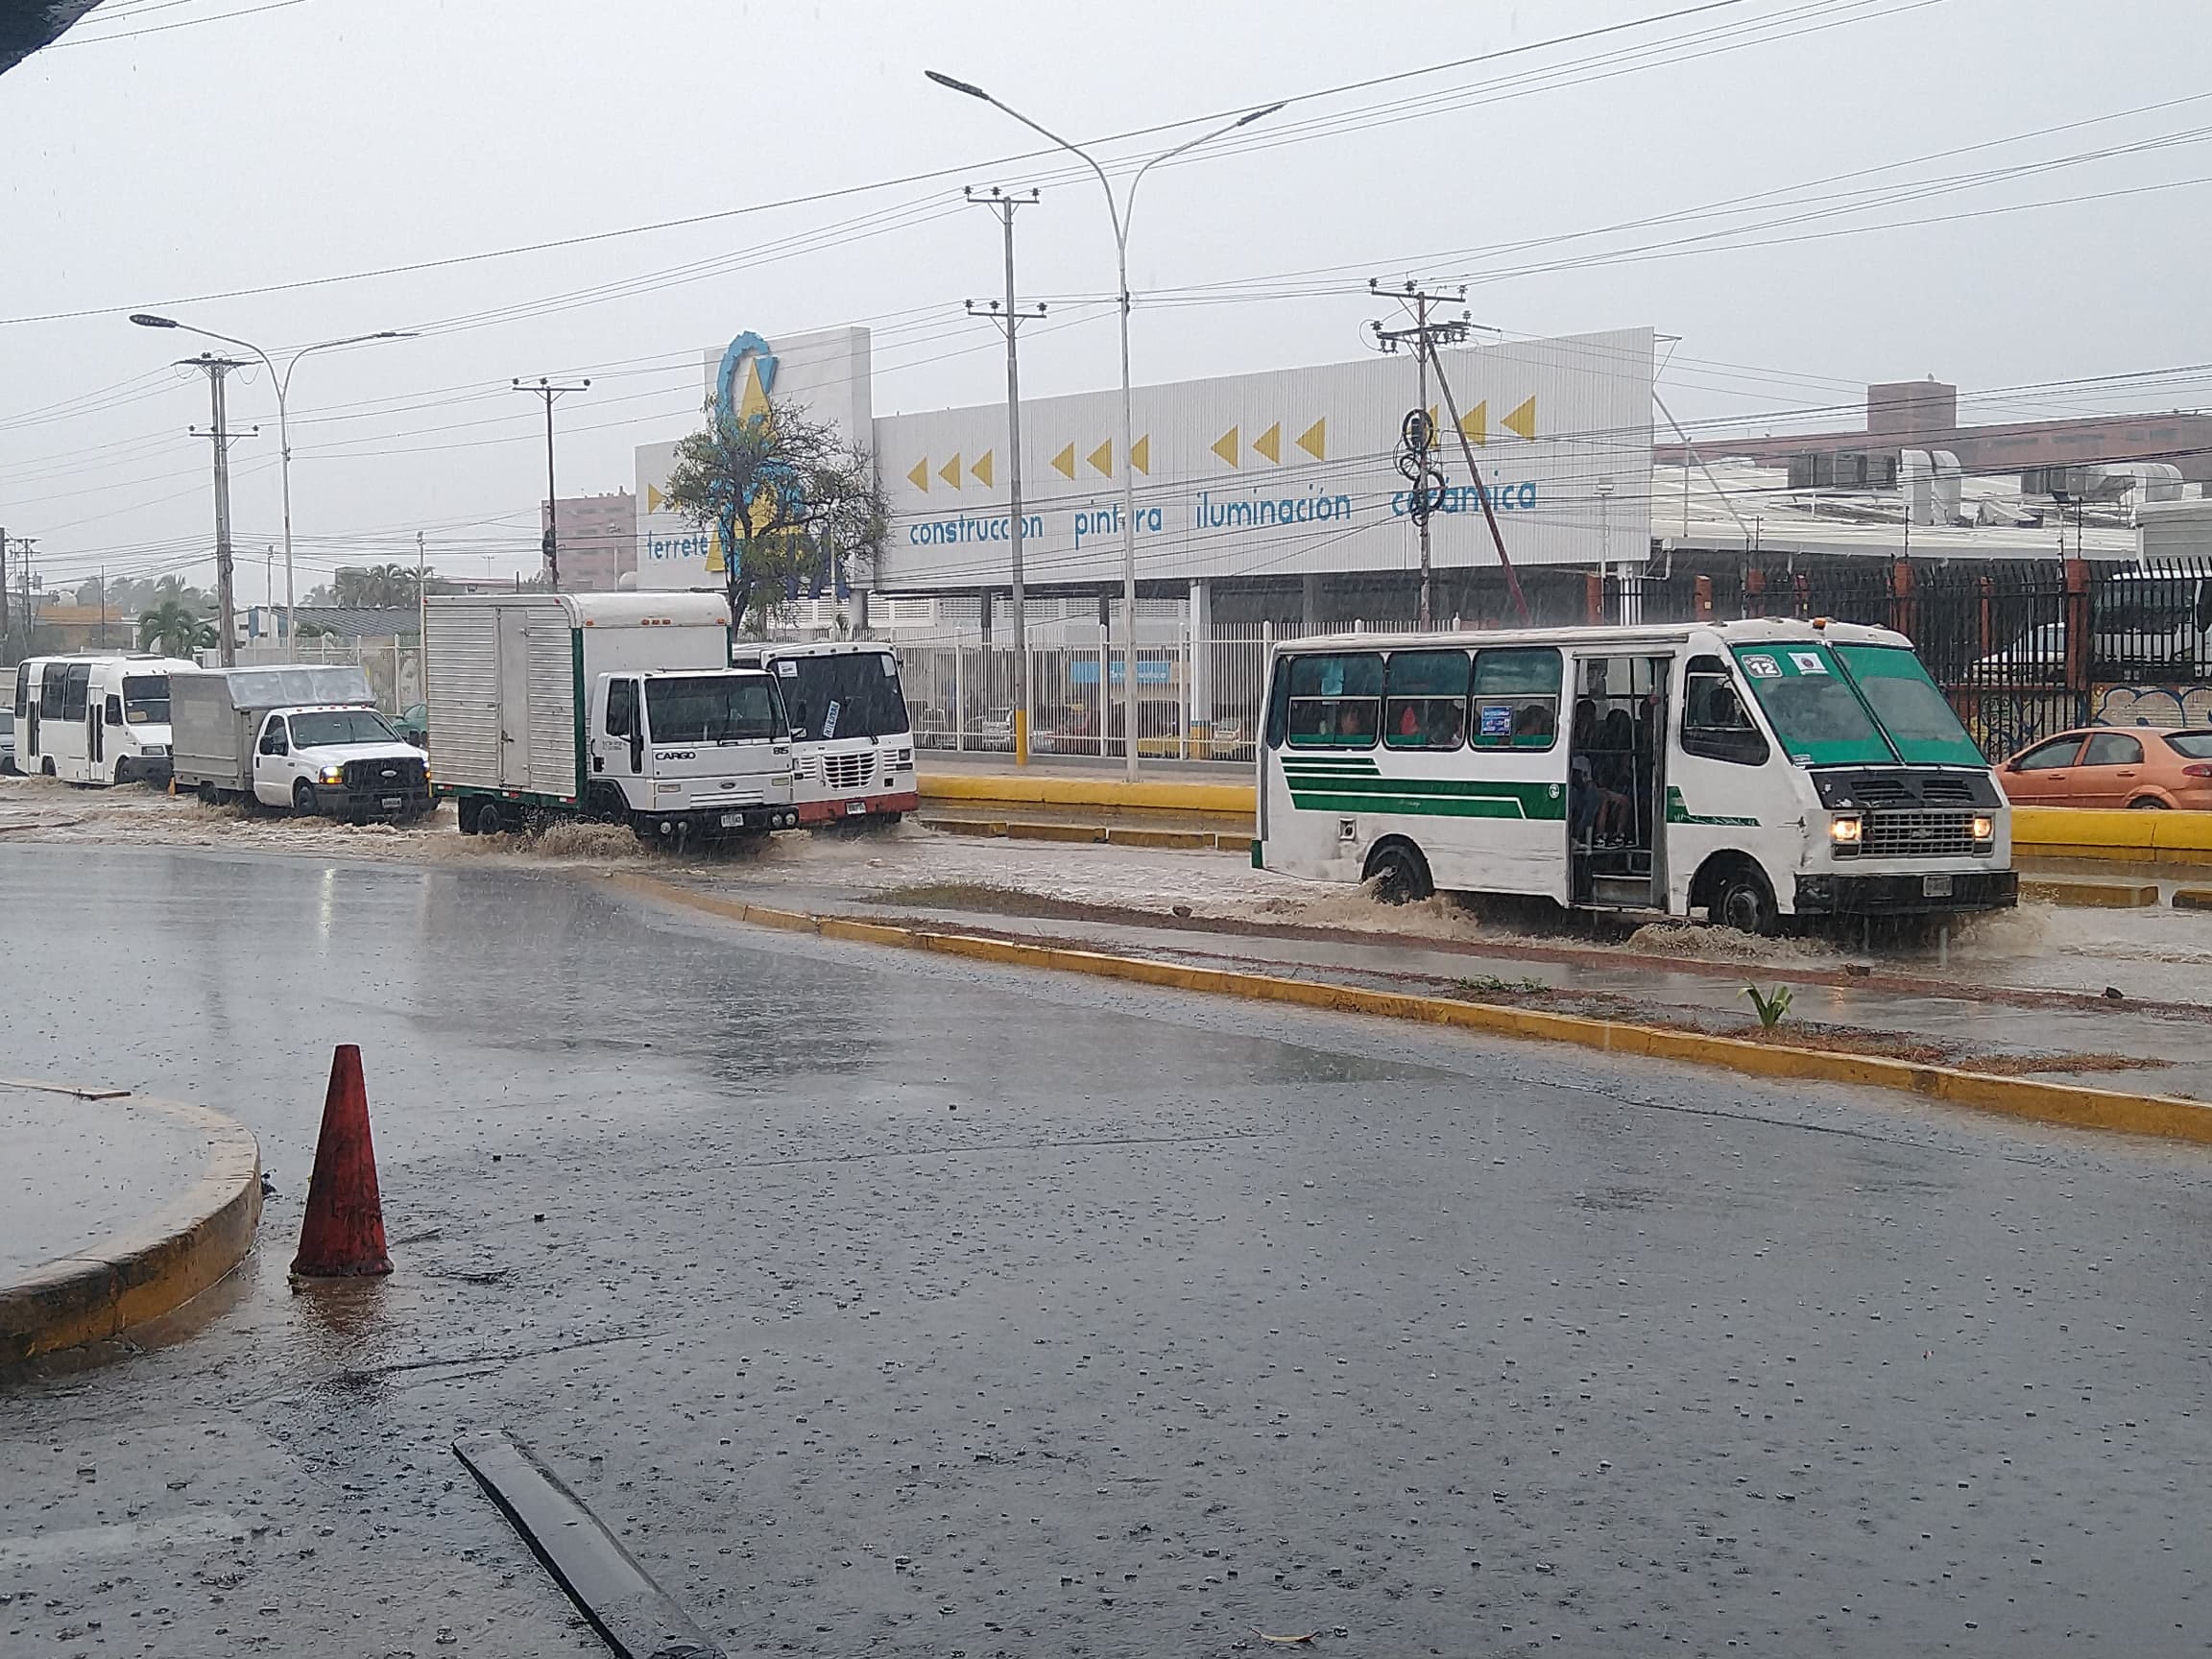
{"x": 2149, "y": 803}
{"x": 1744, "y": 901}
{"x": 303, "y": 799}
{"x": 1399, "y": 873}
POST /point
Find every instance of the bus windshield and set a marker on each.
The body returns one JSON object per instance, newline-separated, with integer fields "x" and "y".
{"x": 146, "y": 699}
{"x": 337, "y": 726}
{"x": 1910, "y": 708}
{"x": 848, "y": 694}
{"x": 1816, "y": 712}
{"x": 713, "y": 708}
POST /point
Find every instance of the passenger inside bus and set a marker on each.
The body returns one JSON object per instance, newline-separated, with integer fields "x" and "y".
{"x": 1602, "y": 776}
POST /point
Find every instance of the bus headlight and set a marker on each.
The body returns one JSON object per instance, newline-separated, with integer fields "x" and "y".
{"x": 1985, "y": 829}
{"x": 1846, "y": 835}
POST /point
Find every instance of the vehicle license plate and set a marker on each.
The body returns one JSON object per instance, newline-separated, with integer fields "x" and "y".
{"x": 856, "y": 808}
{"x": 1935, "y": 886}
{"x": 733, "y": 819}
{"x": 393, "y": 803}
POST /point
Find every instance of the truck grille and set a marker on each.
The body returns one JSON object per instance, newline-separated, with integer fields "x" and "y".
{"x": 1919, "y": 835}
{"x": 389, "y": 777}
{"x": 846, "y": 773}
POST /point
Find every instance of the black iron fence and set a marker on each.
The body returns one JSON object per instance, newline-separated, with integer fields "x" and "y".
{"x": 2022, "y": 648}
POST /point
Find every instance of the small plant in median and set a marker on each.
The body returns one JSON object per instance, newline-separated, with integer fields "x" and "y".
{"x": 1772, "y": 1005}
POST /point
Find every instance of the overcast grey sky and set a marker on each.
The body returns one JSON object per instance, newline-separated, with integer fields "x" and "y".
{"x": 293, "y": 146}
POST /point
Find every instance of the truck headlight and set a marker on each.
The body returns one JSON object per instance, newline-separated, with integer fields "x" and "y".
{"x": 1985, "y": 829}
{"x": 333, "y": 775}
{"x": 1846, "y": 835}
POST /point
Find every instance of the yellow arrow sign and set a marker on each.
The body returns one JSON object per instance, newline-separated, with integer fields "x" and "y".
{"x": 1523, "y": 420}
{"x": 919, "y": 476}
{"x": 1227, "y": 447}
{"x": 1475, "y": 422}
{"x": 981, "y": 467}
{"x": 1315, "y": 439}
{"x": 1102, "y": 457}
{"x": 1064, "y": 463}
{"x": 950, "y": 472}
{"x": 1141, "y": 454}
{"x": 1270, "y": 441}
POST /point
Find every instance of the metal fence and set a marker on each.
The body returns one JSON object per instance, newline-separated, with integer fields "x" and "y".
{"x": 2022, "y": 649}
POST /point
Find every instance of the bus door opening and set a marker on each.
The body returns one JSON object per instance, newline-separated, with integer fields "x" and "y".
{"x": 1615, "y": 787}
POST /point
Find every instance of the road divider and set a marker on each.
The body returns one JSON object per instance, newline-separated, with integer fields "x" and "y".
{"x": 2193, "y": 898}
{"x": 2069, "y": 1104}
{"x": 2038, "y": 832}
{"x": 183, "y": 1247}
{"x": 2092, "y": 894}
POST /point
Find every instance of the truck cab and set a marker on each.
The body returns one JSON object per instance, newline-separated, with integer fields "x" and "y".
{"x": 690, "y": 753}
{"x": 339, "y": 760}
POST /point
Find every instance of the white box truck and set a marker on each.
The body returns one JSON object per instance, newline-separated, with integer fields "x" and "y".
{"x": 301, "y": 735}
{"x": 616, "y": 707}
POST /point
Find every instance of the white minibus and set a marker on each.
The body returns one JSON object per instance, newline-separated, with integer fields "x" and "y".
{"x": 852, "y": 746}
{"x": 95, "y": 718}
{"x": 1745, "y": 770}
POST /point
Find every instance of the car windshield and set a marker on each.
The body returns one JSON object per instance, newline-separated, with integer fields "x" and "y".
{"x": 845, "y": 694}
{"x": 340, "y": 726}
{"x": 713, "y": 708}
{"x": 2195, "y": 745}
{"x": 146, "y": 699}
{"x": 1910, "y": 708}
{"x": 1816, "y": 712}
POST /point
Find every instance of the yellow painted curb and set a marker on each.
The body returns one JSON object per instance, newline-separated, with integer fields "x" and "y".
{"x": 1211, "y": 799}
{"x": 2193, "y": 898}
{"x": 2095, "y": 833}
{"x": 1173, "y": 840}
{"x": 2093, "y": 894}
{"x": 179, "y": 1251}
{"x": 2065, "y": 1103}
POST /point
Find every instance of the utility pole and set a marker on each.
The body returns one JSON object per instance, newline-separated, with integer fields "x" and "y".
{"x": 550, "y": 390}
{"x": 23, "y": 546}
{"x": 1418, "y": 433}
{"x": 1010, "y": 316}
{"x": 215, "y": 369}
{"x": 5, "y": 629}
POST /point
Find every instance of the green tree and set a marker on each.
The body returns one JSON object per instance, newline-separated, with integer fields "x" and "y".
{"x": 788, "y": 497}
{"x": 175, "y": 629}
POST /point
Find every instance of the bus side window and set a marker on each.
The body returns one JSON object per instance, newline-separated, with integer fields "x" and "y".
{"x": 1279, "y": 704}
{"x": 1715, "y": 725}
{"x": 1425, "y": 704}
{"x": 113, "y": 713}
{"x": 1336, "y": 702}
{"x": 74, "y": 686}
{"x": 1515, "y": 698}
{"x": 50, "y": 689}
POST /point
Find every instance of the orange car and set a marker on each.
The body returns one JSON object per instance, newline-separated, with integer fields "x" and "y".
{"x": 2113, "y": 766}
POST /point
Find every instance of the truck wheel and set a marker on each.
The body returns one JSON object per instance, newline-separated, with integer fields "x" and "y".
{"x": 491, "y": 818}
{"x": 302, "y": 798}
{"x": 607, "y": 804}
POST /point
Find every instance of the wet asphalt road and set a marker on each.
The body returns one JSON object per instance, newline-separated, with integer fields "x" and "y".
{"x": 893, "y": 1305}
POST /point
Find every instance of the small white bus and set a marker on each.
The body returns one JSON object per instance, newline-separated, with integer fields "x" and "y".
{"x": 95, "y": 718}
{"x": 852, "y": 744}
{"x": 1746, "y": 770}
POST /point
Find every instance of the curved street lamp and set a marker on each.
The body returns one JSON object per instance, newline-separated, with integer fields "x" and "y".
{"x": 283, "y": 381}
{"x": 1118, "y": 212}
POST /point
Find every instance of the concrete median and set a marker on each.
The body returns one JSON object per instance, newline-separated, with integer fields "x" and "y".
{"x": 130, "y": 1207}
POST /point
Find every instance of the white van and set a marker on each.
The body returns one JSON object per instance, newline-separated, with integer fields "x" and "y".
{"x": 95, "y": 718}
{"x": 1747, "y": 770}
{"x": 851, "y": 742}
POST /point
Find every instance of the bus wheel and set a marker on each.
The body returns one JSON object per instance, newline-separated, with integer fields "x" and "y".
{"x": 1399, "y": 873}
{"x": 46, "y": 767}
{"x": 1742, "y": 901}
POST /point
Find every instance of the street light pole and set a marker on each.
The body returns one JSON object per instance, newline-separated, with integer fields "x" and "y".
{"x": 282, "y": 382}
{"x": 548, "y": 391}
{"x": 1120, "y": 214}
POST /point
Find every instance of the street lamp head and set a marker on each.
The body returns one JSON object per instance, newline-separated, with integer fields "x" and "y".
{"x": 1260, "y": 114}
{"x": 147, "y": 320}
{"x": 943, "y": 80}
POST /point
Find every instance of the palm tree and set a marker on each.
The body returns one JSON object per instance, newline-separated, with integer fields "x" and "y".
{"x": 173, "y": 629}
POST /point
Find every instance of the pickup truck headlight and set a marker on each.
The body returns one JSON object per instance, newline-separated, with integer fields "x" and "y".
{"x": 1846, "y": 835}
{"x": 333, "y": 775}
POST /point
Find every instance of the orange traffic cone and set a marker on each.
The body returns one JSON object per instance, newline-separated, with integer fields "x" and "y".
{"x": 343, "y": 1235}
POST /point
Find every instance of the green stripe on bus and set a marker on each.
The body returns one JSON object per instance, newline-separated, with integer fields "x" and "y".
{"x": 1679, "y": 812}
{"x": 1543, "y": 800}
{"x": 1427, "y": 805}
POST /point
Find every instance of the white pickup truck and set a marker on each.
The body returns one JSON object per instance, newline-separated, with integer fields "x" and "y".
{"x": 301, "y": 735}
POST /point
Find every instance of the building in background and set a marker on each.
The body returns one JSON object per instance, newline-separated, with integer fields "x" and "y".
{"x": 598, "y": 540}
